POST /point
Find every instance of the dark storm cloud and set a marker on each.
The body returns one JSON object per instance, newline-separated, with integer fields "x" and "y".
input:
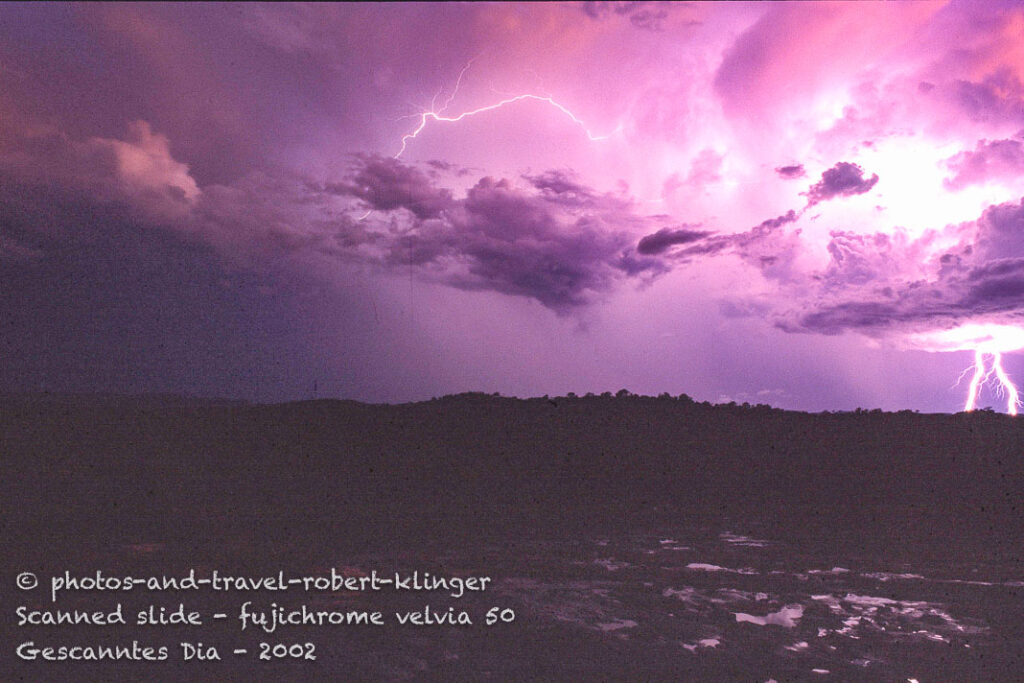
{"x": 632, "y": 264}
{"x": 125, "y": 305}
{"x": 56, "y": 191}
{"x": 842, "y": 180}
{"x": 649, "y": 16}
{"x": 878, "y": 309}
{"x": 989, "y": 160}
{"x": 844, "y": 316}
{"x": 903, "y": 306}
{"x": 771, "y": 224}
{"x": 790, "y": 172}
{"x": 555, "y": 240}
{"x": 988, "y": 291}
{"x": 562, "y": 187}
{"x": 660, "y": 241}
{"x": 386, "y": 184}
{"x": 548, "y": 237}
{"x": 997, "y": 286}
{"x": 88, "y": 69}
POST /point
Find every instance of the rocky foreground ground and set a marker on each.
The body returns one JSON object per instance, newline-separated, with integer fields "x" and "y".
{"x": 623, "y": 538}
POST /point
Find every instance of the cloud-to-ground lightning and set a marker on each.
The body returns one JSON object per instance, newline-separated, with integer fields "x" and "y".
{"x": 988, "y": 341}
{"x": 1012, "y": 396}
{"x": 438, "y": 114}
{"x": 976, "y": 380}
{"x": 982, "y": 376}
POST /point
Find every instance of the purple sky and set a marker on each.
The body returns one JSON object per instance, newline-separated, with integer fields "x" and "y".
{"x": 813, "y": 205}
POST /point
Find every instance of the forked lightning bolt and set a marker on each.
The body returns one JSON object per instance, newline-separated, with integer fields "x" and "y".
{"x": 1012, "y": 397}
{"x": 982, "y": 376}
{"x": 439, "y": 116}
{"x": 977, "y": 380}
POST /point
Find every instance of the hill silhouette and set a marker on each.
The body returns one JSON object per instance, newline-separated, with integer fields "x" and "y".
{"x": 637, "y": 537}
{"x": 478, "y": 464}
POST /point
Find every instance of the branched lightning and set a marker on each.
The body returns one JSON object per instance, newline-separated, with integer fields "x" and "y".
{"x": 1012, "y": 396}
{"x": 987, "y": 340}
{"x": 979, "y": 378}
{"x": 455, "y": 90}
{"x": 983, "y": 376}
{"x": 438, "y": 115}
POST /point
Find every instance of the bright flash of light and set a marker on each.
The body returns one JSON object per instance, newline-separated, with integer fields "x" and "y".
{"x": 913, "y": 171}
{"x": 988, "y": 341}
{"x": 982, "y": 376}
{"x": 984, "y": 337}
{"x": 1012, "y": 397}
{"x": 976, "y": 381}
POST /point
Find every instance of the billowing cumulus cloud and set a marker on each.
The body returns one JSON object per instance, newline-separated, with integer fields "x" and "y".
{"x": 386, "y": 184}
{"x": 886, "y": 283}
{"x": 551, "y": 239}
{"x": 141, "y": 165}
{"x": 1001, "y": 232}
{"x": 993, "y": 160}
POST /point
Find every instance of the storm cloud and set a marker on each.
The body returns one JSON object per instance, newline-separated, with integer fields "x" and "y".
{"x": 550, "y": 239}
{"x": 646, "y": 182}
{"x": 842, "y": 180}
{"x": 386, "y": 184}
{"x": 660, "y": 241}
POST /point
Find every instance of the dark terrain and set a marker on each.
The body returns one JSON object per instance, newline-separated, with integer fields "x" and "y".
{"x": 635, "y": 538}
